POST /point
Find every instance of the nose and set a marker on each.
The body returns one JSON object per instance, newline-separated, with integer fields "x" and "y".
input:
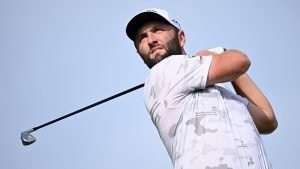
{"x": 152, "y": 40}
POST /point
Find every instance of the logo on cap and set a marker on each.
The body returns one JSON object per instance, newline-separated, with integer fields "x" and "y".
{"x": 151, "y": 10}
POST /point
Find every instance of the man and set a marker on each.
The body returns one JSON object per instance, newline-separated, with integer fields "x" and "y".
{"x": 202, "y": 125}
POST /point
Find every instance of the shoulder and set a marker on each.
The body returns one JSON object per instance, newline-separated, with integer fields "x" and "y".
{"x": 164, "y": 69}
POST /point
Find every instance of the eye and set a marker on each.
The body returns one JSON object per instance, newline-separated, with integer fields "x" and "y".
{"x": 157, "y": 29}
{"x": 142, "y": 37}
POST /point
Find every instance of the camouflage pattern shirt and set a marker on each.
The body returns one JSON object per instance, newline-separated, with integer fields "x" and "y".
{"x": 201, "y": 127}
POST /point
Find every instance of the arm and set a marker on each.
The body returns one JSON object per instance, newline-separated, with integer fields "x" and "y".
{"x": 260, "y": 108}
{"x": 226, "y": 66}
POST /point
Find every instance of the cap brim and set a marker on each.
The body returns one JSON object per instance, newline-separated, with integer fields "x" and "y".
{"x": 139, "y": 20}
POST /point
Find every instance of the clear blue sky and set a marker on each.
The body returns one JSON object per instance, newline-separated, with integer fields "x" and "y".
{"x": 59, "y": 55}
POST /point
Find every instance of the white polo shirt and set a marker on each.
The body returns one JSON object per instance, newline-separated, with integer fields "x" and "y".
{"x": 201, "y": 127}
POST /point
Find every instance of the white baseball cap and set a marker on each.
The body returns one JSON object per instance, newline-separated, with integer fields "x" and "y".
{"x": 147, "y": 15}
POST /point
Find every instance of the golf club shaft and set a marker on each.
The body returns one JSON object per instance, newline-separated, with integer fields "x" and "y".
{"x": 88, "y": 107}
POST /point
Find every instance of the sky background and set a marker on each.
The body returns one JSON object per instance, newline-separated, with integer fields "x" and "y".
{"x": 57, "y": 56}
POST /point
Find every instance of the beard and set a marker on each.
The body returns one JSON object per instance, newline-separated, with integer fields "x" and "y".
{"x": 172, "y": 48}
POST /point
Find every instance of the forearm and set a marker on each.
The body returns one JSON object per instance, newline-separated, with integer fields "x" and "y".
{"x": 261, "y": 110}
{"x": 245, "y": 87}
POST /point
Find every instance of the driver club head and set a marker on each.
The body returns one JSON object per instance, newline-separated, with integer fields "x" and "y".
{"x": 27, "y": 138}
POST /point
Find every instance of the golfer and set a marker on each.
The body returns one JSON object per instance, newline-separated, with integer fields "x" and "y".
{"x": 202, "y": 124}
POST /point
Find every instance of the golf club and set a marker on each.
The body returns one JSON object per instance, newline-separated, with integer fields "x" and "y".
{"x": 28, "y": 139}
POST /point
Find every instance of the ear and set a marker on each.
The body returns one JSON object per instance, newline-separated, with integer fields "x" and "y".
{"x": 181, "y": 38}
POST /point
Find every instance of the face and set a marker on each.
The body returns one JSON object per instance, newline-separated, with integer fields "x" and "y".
{"x": 156, "y": 41}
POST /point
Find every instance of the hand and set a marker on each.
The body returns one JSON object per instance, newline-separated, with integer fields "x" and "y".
{"x": 205, "y": 53}
{"x": 212, "y": 51}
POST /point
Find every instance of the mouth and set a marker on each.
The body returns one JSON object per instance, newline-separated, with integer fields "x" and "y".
{"x": 155, "y": 49}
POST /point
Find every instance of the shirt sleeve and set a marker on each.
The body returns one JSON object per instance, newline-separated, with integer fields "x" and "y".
{"x": 192, "y": 73}
{"x": 175, "y": 77}
{"x": 183, "y": 75}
